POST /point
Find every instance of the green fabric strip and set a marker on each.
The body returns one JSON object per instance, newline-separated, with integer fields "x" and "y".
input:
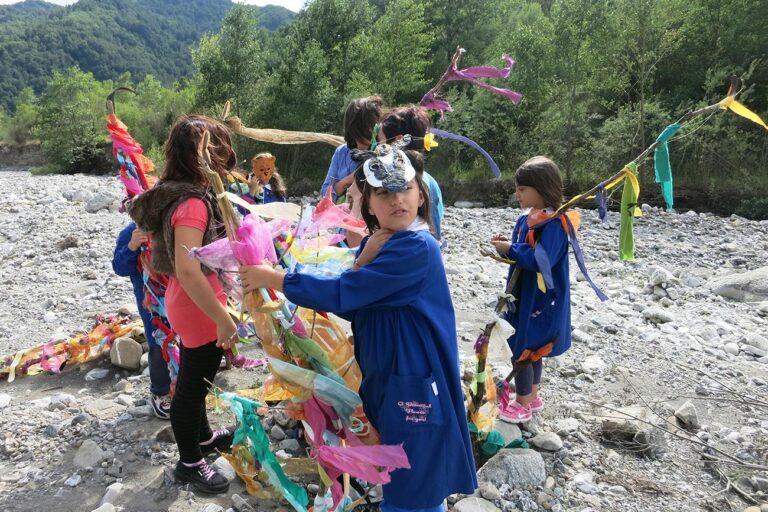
{"x": 662, "y": 166}
{"x": 626, "y": 231}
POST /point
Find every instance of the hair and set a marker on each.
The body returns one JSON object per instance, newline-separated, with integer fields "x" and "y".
{"x": 276, "y": 181}
{"x": 417, "y": 160}
{"x": 371, "y": 222}
{"x": 412, "y": 120}
{"x": 543, "y": 175}
{"x": 359, "y": 119}
{"x": 181, "y": 157}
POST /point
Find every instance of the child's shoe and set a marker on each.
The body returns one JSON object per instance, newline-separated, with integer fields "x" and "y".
{"x": 537, "y": 405}
{"x": 161, "y": 406}
{"x": 202, "y": 477}
{"x": 515, "y": 413}
{"x": 220, "y": 441}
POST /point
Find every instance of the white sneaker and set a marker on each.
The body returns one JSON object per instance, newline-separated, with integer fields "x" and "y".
{"x": 161, "y": 406}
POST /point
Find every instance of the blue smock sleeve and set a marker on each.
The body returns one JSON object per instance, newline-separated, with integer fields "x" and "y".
{"x": 393, "y": 279}
{"x": 333, "y": 173}
{"x": 124, "y": 260}
{"x": 552, "y": 246}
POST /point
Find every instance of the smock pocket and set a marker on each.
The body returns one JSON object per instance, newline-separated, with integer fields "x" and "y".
{"x": 411, "y": 402}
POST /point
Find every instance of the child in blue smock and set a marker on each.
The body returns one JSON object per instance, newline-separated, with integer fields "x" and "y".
{"x": 266, "y": 185}
{"x": 405, "y": 335}
{"x": 541, "y": 313}
{"x": 125, "y": 262}
{"x": 360, "y": 117}
{"x": 414, "y": 121}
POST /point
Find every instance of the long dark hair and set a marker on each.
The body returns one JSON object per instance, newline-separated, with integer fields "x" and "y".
{"x": 371, "y": 222}
{"x": 543, "y": 175}
{"x": 181, "y": 160}
{"x": 360, "y": 117}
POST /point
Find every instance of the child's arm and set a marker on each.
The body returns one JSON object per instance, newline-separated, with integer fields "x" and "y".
{"x": 553, "y": 241}
{"x": 393, "y": 279}
{"x": 196, "y": 285}
{"x": 127, "y": 250}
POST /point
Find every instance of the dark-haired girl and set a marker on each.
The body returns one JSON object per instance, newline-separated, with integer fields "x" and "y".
{"x": 181, "y": 212}
{"x": 541, "y": 314}
{"x": 405, "y": 336}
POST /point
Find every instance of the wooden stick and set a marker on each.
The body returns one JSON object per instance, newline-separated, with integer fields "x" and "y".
{"x": 684, "y": 119}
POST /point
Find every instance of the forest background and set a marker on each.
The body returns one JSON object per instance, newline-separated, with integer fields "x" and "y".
{"x": 600, "y": 79}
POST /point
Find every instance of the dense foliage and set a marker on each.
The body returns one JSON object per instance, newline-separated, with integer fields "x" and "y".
{"x": 600, "y": 78}
{"x": 107, "y": 38}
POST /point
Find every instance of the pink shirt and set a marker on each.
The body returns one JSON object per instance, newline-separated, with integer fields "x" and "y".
{"x": 189, "y": 321}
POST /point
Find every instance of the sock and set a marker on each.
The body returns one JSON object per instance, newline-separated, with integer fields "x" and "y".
{"x": 193, "y": 464}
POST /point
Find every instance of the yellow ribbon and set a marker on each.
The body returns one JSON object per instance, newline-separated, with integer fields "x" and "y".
{"x": 734, "y": 106}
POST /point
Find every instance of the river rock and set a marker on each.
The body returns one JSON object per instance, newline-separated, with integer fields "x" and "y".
{"x": 473, "y": 504}
{"x": 634, "y": 434}
{"x": 88, "y": 455}
{"x": 547, "y": 441}
{"x": 515, "y": 467}
{"x": 126, "y": 353}
{"x": 749, "y": 286}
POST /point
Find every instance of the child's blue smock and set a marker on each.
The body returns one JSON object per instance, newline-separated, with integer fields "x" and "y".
{"x": 403, "y": 323}
{"x": 540, "y": 317}
{"x": 125, "y": 263}
{"x": 341, "y": 166}
{"x": 268, "y": 196}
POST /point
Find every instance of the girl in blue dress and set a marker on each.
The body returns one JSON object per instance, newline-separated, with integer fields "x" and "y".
{"x": 540, "y": 284}
{"x": 405, "y": 336}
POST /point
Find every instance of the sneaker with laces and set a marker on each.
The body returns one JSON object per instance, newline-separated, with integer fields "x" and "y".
{"x": 161, "y": 406}
{"x": 221, "y": 441}
{"x": 537, "y": 405}
{"x": 515, "y": 413}
{"x": 202, "y": 477}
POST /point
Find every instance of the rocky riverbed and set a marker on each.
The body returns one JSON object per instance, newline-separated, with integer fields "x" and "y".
{"x": 682, "y": 344}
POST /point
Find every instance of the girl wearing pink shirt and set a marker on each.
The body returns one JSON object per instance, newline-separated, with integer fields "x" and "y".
{"x": 181, "y": 212}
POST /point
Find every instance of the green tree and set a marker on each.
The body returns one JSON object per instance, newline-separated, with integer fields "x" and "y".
{"x": 395, "y": 59}
{"x": 70, "y": 121}
{"x": 230, "y": 63}
{"x": 20, "y": 127}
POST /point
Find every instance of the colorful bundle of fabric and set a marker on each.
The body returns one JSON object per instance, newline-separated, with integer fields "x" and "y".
{"x": 51, "y": 357}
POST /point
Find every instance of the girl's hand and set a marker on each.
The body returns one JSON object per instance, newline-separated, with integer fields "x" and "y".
{"x": 499, "y": 237}
{"x": 373, "y": 247}
{"x": 138, "y": 237}
{"x": 254, "y": 277}
{"x": 502, "y": 247}
{"x": 226, "y": 334}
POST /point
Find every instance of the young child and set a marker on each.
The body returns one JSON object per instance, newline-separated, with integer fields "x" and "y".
{"x": 125, "y": 262}
{"x": 414, "y": 121}
{"x": 181, "y": 212}
{"x": 360, "y": 117}
{"x": 405, "y": 337}
{"x": 265, "y": 182}
{"x": 542, "y": 315}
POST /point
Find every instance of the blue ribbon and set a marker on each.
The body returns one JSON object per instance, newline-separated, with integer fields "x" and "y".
{"x": 662, "y": 167}
{"x": 469, "y": 142}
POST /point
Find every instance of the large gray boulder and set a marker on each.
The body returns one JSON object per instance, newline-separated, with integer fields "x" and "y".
{"x": 516, "y": 467}
{"x": 749, "y": 286}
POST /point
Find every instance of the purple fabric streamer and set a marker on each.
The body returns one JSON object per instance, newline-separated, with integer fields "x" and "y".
{"x": 545, "y": 267}
{"x": 240, "y": 361}
{"x": 469, "y": 142}
{"x": 577, "y": 253}
{"x": 602, "y": 205}
{"x": 471, "y": 75}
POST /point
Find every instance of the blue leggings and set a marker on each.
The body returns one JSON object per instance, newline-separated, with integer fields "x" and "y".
{"x": 527, "y": 377}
